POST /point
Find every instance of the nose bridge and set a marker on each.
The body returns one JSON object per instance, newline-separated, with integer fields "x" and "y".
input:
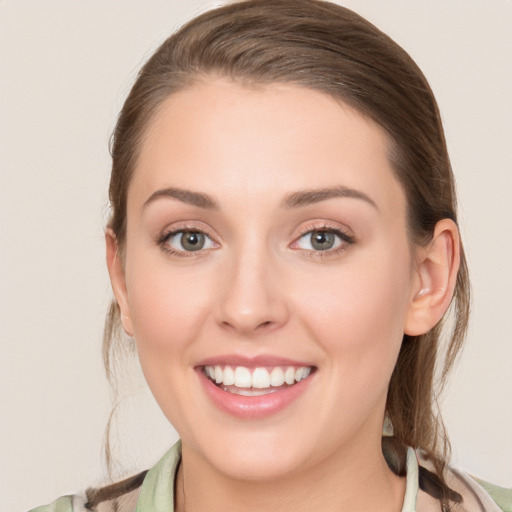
{"x": 252, "y": 299}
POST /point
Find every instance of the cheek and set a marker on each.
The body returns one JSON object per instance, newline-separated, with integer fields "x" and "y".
{"x": 167, "y": 306}
{"x": 168, "y": 309}
{"x": 358, "y": 314}
{"x": 358, "y": 320}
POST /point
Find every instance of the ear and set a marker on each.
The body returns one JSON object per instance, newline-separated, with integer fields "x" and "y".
{"x": 436, "y": 269}
{"x": 117, "y": 279}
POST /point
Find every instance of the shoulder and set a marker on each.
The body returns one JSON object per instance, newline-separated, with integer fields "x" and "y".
{"x": 70, "y": 503}
{"x": 475, "y": 495}
{"x": 119, "y": 497}
{"x": 481, "y": 495}
{"x": 502, "y": 496}
{"x": 148, "y": 490}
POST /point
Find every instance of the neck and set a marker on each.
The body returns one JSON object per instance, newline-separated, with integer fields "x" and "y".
{"x": 356, "y": 482}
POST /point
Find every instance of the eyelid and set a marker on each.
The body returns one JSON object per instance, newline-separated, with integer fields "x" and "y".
{"x": 189, "y": 226}
{"x": 323, "y": 225}
{"x": 345, "y": 234}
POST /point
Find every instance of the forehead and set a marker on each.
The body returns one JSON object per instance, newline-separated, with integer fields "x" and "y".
{"x": 218, "y": 135}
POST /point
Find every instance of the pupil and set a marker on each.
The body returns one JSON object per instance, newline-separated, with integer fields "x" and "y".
{"x": 192, "y": 241}
{"x": 322, "y": 240}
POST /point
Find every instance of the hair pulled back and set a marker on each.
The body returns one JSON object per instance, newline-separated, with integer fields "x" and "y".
{"x": 328, "y": 48}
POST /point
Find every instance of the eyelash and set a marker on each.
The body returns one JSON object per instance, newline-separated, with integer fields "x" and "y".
{"x": 167, "y": 235}
{"x": 346, "y": 241}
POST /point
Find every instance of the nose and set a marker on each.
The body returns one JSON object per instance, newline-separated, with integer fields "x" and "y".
{"x": 253, "y": 299}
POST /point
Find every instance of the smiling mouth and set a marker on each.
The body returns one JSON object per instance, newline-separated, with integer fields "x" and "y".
{"x": 241, "y": 380}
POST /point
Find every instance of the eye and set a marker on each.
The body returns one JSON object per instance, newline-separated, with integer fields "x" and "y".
{"x": 322, "y": 240}
{"x": 187, "y": 241}
{"x": 319, "y": 241}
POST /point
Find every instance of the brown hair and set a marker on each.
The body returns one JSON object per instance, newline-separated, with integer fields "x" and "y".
{"x": 328, "y": 48}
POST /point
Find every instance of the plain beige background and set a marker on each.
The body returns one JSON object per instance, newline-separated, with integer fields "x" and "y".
{"x": 65, "y": 68}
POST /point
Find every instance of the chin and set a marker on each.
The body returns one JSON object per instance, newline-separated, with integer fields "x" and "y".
{"x": 260, "y": 467}
{"x": 257, "y": 456}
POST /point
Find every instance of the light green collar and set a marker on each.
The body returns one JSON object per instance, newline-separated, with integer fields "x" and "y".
{"x": 157, "y": 493}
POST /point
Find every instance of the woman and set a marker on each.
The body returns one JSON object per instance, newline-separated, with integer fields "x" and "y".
{"x": 283, "y": 248}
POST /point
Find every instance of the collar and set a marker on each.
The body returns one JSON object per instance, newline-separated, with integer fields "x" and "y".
{"x": 157, "y": 492}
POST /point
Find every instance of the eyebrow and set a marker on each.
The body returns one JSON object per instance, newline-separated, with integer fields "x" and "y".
{"x": 297, "y": 199}
{"x": 312, "y": 196}
{"x": 185, "y": 196}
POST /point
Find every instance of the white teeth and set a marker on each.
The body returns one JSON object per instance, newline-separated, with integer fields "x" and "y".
{"x": 277, "y": 377}
{"x": 229, "y": 376}
{"x": 242, "y": 377}
{"x": 302, "y": 373}
{"x": 257, "y": 378}
{"x": 289, "y": 375}
{"x": 260, "y": 378}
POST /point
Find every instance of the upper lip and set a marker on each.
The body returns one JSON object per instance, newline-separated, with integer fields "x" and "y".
{"x": 251, "y": 362}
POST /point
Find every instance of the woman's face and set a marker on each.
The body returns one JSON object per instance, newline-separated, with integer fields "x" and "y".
{"x": 267, "y": 243}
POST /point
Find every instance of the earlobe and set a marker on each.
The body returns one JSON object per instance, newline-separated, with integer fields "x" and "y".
{"x": 117, "y": 279}
{"x": 437, "y": 267}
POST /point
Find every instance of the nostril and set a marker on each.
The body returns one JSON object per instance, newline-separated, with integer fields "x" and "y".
{"x": 262, "y": 326}
{"x": 268, "y": 323}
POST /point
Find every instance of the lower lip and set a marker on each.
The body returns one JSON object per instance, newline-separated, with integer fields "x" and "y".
{"x": 252, "y": 407}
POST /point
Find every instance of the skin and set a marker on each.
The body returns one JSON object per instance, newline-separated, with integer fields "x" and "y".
{"x": 258, "y": 288}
